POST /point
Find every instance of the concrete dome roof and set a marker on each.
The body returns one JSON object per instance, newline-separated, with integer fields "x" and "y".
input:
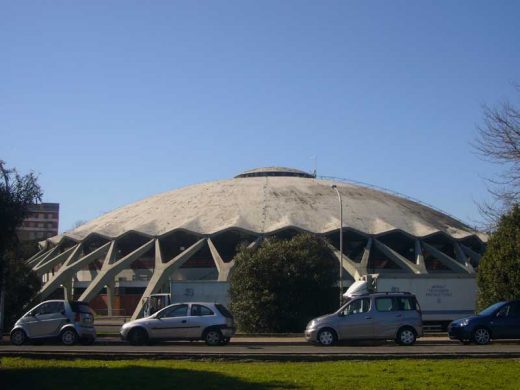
{"x": 266, "y": 200}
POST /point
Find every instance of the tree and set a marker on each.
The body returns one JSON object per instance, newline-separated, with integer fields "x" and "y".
{"x": 498, "y": 275}
{"x": 498, "y": 140}
{"x": 17, "y": 193}
{"x": 282, "y": 284}
{"x": 21, "y": 286}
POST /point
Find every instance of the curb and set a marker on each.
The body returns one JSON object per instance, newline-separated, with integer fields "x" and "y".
{"x": 325, "y": 357}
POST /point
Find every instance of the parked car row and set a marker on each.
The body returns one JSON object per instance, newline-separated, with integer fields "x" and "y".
{"x": 383, "y": 316}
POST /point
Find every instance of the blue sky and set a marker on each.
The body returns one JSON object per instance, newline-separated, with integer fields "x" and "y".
{"x": 113, "y": 101}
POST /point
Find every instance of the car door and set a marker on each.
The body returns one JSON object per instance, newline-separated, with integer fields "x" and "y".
{"x": 506, "y": 324}
{"x": 200, "y": 318}
{"x": 355, "y": 321}
{"x": 515, "y": 320}
{"x": 171, "y": 323}
{"x": 48, "y": 319}
{"x": 387, "y": 317}
{"x": 31, "y": 320}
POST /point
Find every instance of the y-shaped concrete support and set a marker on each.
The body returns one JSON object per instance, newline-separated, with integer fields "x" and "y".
{"x": 109, "y": 270}
{"x": 397, "y": 258}
{"x": 354, "y": 269}
{"x": 419, "y": 258}
{"x": 43, "y": 268}
{"x": 471, "y": 253}
{"x": 41, "y": 259}
{"x": 70, "y": 267}
{"x": 222, "y": 267}
{"x": 162, "y": 271}
{"x": 363, "y": 265}
{"x": 448, "y": 261}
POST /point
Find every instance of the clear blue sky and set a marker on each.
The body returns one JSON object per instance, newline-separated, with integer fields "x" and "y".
{"x": 113, "y": 101}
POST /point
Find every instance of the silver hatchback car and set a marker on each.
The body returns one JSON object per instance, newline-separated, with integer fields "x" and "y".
{"x": 395, "y": 316}
{"x": 68, "y": 321}
{"x": 210, "y": 322}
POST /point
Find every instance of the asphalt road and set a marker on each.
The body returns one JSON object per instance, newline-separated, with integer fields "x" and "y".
{"x": 272, "y": 348}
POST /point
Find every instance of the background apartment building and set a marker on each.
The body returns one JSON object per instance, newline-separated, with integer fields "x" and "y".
{"x": 41, "y": 223}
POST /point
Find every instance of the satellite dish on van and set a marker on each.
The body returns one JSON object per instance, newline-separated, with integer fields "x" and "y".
{"x": 356, "y": 289}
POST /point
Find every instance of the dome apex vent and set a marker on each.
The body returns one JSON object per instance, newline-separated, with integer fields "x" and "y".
{"x": 274, "y": 171}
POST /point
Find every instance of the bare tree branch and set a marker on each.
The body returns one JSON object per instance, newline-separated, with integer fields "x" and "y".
{"x": 498, "y": 141}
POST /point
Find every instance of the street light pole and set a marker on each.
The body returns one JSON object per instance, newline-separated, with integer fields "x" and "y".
{"x": 340, "y": 245}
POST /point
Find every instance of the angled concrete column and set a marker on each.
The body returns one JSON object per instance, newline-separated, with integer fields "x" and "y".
{"x": 109, "y": 270}
{"x": 354, "y": 269}
{"x": 397, "y": 258}
{"x": 471, "y": 253}
{"x": 419, "y": 258}
{"x": 255, "y": 243}
{"x": 35, "y": 256}
{"x": 48, "y": 265}
{"x": 363, "y": 265}
{"x": 111, "y": 286}
{"x": 222, "y": 267}
{"x": 462, "y": 257}
{"x": 67, "y": 289}
{"x": 448, "y": 261}
{"x": 70, "y": 267}
{"x": 162, "y": 271}
{"x": 41, "y": 259}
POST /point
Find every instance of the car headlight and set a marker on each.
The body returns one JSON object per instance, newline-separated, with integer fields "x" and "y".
{"x": 311, "y": 324}
{"x": 464, "y": 322}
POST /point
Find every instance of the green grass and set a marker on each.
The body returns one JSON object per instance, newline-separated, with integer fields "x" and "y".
{"x": 18, "y": 373}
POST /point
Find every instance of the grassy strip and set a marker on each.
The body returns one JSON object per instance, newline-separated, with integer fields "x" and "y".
{"x": 395, "y": 374}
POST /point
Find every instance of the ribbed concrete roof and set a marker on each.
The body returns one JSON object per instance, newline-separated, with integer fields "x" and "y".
{"x": 267, "y": 204}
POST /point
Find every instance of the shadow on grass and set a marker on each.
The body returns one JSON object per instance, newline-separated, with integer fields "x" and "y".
{"x": 132, "y": 377}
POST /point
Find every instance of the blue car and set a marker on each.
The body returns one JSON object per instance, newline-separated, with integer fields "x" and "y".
{"x": 498, "y": 321}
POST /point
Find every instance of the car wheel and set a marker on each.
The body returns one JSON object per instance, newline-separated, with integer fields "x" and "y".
{"x": 138, "y": 337}
{"x": 481, "y": 336}
{"x": 213, "y": 337}
{"x": 406, "y": 336}
{"x": 69, "y": 337}
{"x": 18, "y": 337}
{"x": 327, "y": 337}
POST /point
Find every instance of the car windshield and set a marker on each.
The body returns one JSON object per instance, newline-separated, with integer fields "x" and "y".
{"x": 489, "y": 310}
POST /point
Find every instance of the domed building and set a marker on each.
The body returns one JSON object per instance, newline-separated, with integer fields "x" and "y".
{"x": 192, "y": 234}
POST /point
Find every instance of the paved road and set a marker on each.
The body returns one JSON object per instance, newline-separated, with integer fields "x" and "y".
{"x": 267, "y": 349}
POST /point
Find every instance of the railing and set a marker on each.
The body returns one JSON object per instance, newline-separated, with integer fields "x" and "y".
{"x": 392, "y": 192}
{"x": 115, "y": 312}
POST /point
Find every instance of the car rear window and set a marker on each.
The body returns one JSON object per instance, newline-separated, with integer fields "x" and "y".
{"x": 80, "y": 307}
{"x": 222, "y": 309}
{"x": 405, "y": 303}
{"x": 396, "y": 304}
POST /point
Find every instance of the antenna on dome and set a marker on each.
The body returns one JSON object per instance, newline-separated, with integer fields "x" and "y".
{"x": 315, "y": 172}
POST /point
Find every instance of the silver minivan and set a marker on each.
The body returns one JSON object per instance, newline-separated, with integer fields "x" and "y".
{"x": 68, "y": 321}
{"x": 207, "y": 321}
{"x": 395, "y": 316}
